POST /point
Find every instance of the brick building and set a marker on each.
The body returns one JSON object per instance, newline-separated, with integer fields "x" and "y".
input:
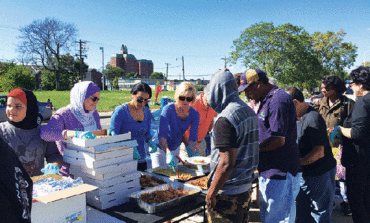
{"x": 128, "y": 62}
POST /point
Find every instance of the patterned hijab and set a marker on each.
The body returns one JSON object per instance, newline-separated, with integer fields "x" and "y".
{"x": 79, "y": 93}
{"x": 29, "y": 99}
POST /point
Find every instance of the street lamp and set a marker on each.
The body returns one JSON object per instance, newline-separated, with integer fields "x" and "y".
{"x": 103, "y": 76}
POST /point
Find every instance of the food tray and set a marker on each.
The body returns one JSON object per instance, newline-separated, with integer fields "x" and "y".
{"x": 154, "y": 208}
{"x": 154, "y": 176}
{"x": 206, "y": 168}
{"x": 181, "y": 168}
{"x": 203, "y": 190}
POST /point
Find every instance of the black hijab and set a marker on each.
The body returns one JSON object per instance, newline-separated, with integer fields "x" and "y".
{"x": 30, "y": 121}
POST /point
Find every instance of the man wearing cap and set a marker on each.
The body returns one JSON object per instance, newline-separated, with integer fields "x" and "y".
{"x": 279, "y": 162}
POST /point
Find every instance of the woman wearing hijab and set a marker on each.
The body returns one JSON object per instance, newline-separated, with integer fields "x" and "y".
{"x": 15, "y": 187}
{"x": 135, "y": 117}
{"x": 22, "y": 133}
{"x": 76, "y": 119}
{"x": 174, "y": 121}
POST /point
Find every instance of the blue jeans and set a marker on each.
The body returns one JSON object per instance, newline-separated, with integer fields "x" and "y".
{"x": 277, "y": 198}
{"x": 316, "y": 197}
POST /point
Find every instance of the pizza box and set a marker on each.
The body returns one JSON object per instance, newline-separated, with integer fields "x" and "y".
{"x": 99, "y": 155}
{"x": 104, "y": 203}
{"x": 106, "y": 194}
{"x": 93, "y": 164}
{"x": 76, "y": 171}
{"x": 98, "y": 141}
{"x": 100, "y": 150}
{"x": 109, "y": 183}
{"x": 67, "y": 205}
{"x": 115, "y": 167}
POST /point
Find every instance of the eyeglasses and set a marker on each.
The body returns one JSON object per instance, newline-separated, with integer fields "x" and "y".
{"x": 94, "y": 99}
{"x": 189, "y": 99}
{"x": 141, "y": 100}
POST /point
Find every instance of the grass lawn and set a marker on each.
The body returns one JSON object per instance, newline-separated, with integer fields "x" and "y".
{"x": 109, "y": 100}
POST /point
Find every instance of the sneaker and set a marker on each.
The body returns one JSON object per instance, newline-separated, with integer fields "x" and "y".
{"x": 345, "y": 209}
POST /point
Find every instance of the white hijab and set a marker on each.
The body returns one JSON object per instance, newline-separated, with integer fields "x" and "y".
{"x": 78, "y": 95}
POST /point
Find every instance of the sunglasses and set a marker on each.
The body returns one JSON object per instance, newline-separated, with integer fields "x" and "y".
{"x": 94, "y": 99}
{"x": 189, "y": 99}
{"x": 141, "y": 100}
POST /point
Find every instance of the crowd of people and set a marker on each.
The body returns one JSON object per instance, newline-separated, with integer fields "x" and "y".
{"x": 301, "y": 152}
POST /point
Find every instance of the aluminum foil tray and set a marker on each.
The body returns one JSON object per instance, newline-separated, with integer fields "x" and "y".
{"x": 181, "y": 168}
{"x": 153, "y": 208}
{"x": 154, "y": 176}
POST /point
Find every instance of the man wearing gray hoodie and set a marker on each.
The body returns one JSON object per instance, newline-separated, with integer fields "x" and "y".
{"x": 234, "y": 151}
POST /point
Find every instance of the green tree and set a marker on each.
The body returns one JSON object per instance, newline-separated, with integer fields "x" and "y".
{"x": 157, "y": 75}
{"x": 131, "y": 75}
{"x": 366, "y": 64}
{"x": 4, "y": 67}
{"x": 17, "y": 76}
{"x": 47, "y": 80}
{"x": 291, "y": 55}
{"x": 333, "y": 53}
{"x": 115, "y": 83}
{"x": 284, "y": 52}
{"x": 113, "y": 72}
{"x": 44, "y": 41}
{"x": 69, "y": 73}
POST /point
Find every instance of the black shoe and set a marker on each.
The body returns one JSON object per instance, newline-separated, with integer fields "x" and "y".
{"x": 345, "y": 209}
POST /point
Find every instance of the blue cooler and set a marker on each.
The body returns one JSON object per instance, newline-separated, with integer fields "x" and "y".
{"x": 164, "y": 101}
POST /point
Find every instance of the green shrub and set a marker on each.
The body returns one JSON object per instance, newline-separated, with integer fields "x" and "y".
{"x": 17, "y": 76}
{"x": 199, "y": 87}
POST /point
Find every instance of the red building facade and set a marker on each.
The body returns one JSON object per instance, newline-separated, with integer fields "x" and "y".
{"x": 128, "y": 62}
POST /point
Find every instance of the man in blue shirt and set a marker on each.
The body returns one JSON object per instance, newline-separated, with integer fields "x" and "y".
{"x": 279, "y": 163}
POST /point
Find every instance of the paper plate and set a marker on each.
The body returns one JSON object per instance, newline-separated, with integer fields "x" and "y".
{"x": 199, "y": 160}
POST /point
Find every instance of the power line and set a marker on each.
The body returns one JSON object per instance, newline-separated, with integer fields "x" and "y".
{"x": 83, "y": 49}
{"x": 169, "y": 67}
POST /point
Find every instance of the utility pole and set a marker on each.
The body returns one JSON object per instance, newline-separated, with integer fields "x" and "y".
{"x": 103, "y": 77}
{"x": 183, "y": 69}
{"x": 165, "y": 79}
{"x": 82, "y": 50}
{"x": 225, "y": 61}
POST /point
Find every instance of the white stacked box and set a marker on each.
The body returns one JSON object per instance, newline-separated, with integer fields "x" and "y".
{"x": 107, "y": 164}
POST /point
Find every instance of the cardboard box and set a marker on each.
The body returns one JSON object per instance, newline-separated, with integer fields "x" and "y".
{"x": 67, "y": 205}
{"x": 104, "y": 202}
{"x": 109, "y": 183}
{"x": 76, "y": 171}
{"x": 93, "y": 164}
{"x": 99, "y": 155}
{"x": 116, "y": 167}
{"x": 108, "y": 147}
{"x": 107, "y": 194}
{"x": 101, "y": 141}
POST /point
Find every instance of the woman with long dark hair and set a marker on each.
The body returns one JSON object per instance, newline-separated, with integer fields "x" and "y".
{"x": 135, "y": 117}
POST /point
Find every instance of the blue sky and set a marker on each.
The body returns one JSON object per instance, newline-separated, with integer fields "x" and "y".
{"x": 163, "y": 31}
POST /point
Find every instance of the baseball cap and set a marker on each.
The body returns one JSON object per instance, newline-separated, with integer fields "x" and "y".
{"x": 249, "y": 77}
